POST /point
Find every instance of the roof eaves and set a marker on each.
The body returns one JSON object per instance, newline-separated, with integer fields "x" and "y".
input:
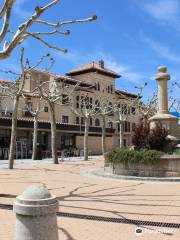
{"x": 73, "y": 80}
{"x": 93, "y": 69}
{"x": 127, "y": 93}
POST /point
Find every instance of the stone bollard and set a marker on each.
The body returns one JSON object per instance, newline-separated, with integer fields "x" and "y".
{"x": 36, "y": 214}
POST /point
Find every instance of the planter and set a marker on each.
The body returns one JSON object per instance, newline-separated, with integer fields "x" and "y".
{"x": 167, "y": 166}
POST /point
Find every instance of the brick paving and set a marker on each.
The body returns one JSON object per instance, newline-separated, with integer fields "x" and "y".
{"x": 107, "y": 198}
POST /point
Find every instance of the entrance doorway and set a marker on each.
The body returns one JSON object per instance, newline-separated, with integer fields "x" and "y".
{"x": 67, "y": 141}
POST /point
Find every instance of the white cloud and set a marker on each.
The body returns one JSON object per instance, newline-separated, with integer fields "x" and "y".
{"x": 131, "y": 78}
{"x": 125, "y": 71}
{"x": 77, "y": 58}
{"x": 163, "y": 11}
{"x": 161, "y": 50}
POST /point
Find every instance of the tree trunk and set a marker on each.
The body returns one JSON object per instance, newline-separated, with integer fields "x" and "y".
{"x": 86, "y": 139}
{"x": 145, "y": 121}
{"x": 121, "y": 134}
{"x": 53, "y": 134}
{"x": 35, "y": 135}
{"x": 103, "y": 136}
{"x": 13, "y": 132}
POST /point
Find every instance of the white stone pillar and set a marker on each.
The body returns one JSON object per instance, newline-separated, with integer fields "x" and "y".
{"x": 162, "y": 78}
{"x": 36, "y": 214}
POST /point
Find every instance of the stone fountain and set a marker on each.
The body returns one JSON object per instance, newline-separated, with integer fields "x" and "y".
{"x": 169, "y": 121}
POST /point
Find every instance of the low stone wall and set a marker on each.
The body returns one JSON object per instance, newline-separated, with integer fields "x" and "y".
{"x": 167, "y": 166}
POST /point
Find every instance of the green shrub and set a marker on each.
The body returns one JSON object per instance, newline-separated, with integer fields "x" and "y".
{"x": 176, "y": 152}
{"x": 127, "y": 156}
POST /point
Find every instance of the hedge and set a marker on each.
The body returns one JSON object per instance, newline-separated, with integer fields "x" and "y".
{"x": 142, "y": 156}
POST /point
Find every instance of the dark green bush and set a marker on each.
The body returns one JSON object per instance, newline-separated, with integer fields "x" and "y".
{"x": 127, "y": 156}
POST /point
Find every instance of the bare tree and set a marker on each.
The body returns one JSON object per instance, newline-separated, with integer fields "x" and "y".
{"x": 23, "y": 32}
{"x": 177, "y": 84}
{"x": 36, "y": 94}
{"x": 18, "y": 37}
{"x": 16, "y": 88}
{"x": 104, "y": 108}
{"x": 16, "y": 91}
{"x": 148, "y": 109}
{"x": 123, "y": 108}
{"x": 175, "y": 106}
{"x": 87, "y": 110}
{"x": 56, "y": 92}
{"x": 175, "y": 101}
{"x": 35, "y": 114}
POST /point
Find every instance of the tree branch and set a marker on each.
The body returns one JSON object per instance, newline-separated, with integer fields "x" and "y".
{"x": 49, "y": 33}
{"x": 18, "y": 37}
{"x": 6, "y": 21}
{"x": 22, "y": 32}
{"x": 4, "y": 8}
{"x": 60, "y": 24}
{"x": 47, "y": 44}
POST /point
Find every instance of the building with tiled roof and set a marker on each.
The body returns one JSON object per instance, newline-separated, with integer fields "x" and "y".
{"x": 95, "y": 81}
{"x": 94, "y": 67}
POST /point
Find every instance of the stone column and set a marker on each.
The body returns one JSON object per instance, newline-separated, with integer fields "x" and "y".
{"x": 36, "y": 214}
{"x": 162, "y": 78}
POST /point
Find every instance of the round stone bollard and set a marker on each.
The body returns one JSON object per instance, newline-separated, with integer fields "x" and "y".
{"x": 36, "y": 214}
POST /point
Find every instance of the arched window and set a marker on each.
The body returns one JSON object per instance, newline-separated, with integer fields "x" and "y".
{"x": 90, "y": 121}
{"x": 124, "y": 109}
{"x": 110, "y": 124}
{"x": 97, "y": 105}
{"x": 90, "y": 102}
{"x": 98, "y": 87}
{"x": 77, "y": 101}
{"x": 82, "y": 101}
{"x": 110, "y": 106}
{"x": 133, "y": 110}
{"x": 97, "y": 122}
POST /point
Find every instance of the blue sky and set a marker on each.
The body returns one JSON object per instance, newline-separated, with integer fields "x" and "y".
{"x": 134, "y": 37}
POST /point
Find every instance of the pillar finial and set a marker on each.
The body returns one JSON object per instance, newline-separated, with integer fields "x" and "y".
{"x": 162, "y": 69}
{"x": 162, "y": 74}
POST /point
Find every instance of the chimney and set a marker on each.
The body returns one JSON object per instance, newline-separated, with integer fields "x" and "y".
{"x": 101, "y": 63}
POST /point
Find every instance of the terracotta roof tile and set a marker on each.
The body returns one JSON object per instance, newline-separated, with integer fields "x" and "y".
{"x": 93, "y": 67}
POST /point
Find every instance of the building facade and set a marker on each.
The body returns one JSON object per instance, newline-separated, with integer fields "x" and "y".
{"x": 96, "y": 82}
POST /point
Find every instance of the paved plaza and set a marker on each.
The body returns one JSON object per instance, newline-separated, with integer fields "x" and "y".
{"x": 94, "y": 208}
